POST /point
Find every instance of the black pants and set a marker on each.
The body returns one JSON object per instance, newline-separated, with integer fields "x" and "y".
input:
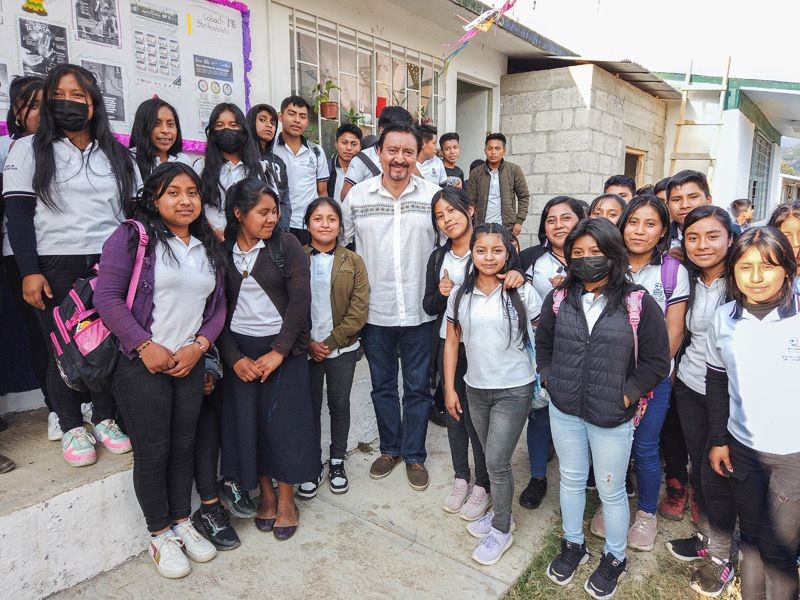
{"x": 713, "y": 494}
{"x": 462, "y": 433}
{"x": 206, "y": 445}
{"x": 766, "y": 489}
{"x": 37, "y": 343}
{"x": 676, "y": 457}
{"x": 338, "y": 373}
{"x": 161, "y": 413}
{"x": 301, "y": 234}
{"x": 61, "y": 272}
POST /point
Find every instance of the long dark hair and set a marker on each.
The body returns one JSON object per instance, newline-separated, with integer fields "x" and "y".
{"x": 214, "y": 159}
{"x": 455, "y": 197}
{"x": 775, "y": 249}
{"x": 122, "y": 163}
{"x": 143, "y": 124}
{"x": 698, "y": 214}
{"x": 244, "y": 195}
{"x": 144, "y": 210}
{"x": 609, "y": 242}
{"x": 513, "y": 294}
{"x": 21, "y": 94}
{"x": 252, "y": 117}
{"x": 657, "y": 205}
{"x": 574, "y": 205}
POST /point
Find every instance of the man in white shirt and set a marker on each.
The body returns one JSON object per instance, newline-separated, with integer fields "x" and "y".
{"x": 306, "y": 165}
{"x": 429, "y": 165}
{"x": 389, "y": 218}
{"x": 348, "y": 144}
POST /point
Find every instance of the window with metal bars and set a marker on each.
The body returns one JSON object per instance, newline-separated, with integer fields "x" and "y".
{"x": 759, "y": 175}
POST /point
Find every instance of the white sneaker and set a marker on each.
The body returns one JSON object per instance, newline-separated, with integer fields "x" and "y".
{"x": 86, "y": 411}
{"x": 476, "y": 505}
{"x": 481, "y": 528}
{"x": 455, "y": 499}
{"x": 53, "y": 427}
{"x": 492, "y": 547}
{"x": 198, "y": 548}
{"x": 166, "y": 550}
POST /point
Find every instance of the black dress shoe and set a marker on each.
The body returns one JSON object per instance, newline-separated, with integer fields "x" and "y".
{"x": 265, "y": 524}
{"x": 284, "y": 533}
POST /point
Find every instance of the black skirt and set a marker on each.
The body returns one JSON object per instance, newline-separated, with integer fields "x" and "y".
{"x": 267, "y": 428}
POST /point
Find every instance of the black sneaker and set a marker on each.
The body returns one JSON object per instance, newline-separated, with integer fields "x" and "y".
{"x": 562, "y": 568}
{"x": 309, "y": 489}
{"x": 216, "y": 527}
{"x": 237, "y": 500}
{"x": 712, "y": 578}
{"x": 630, "y": 487}
{"x": 602, "y": 584}
{"x": 532, "y": 496}
{"x": 689, "y": 549}
{"x": 338, "y": 478}
{"x": 591, "y": 484}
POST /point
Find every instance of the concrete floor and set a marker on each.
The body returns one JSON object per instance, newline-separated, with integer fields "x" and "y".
{"x": 380, "y": 540}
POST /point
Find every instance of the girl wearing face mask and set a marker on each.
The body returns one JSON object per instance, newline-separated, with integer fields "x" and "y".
{"x": 64, "y": 189}
{"x": 339, "y": 302}
{"x": 262, "y": 122}
{"x": 593, "y": 401}
{"x": 493, "y": 325}
{"x": 645, "y": 226}
{"x": 608, "y": 206}
{"x": 231, "y": 155}
{"x": 707, "y": 238}
{"x": 178, "y": 311}
{"x": 268, "y": 421}
{"x": 787, "y": 218}
{"x": 752, "y": 417}
{"x": 156, "y": 136}
{"x": 545, "y": 267}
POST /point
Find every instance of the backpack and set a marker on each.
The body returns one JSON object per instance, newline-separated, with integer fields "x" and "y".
{"x": 373, "y": 168}
{"x": 633, "y": 304}
{"x": 669, "y": 274}
{"x": 86, "y": 352}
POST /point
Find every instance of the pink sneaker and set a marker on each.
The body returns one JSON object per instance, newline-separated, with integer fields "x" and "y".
{"x": 78, "y": 447}
{"x": 598, "y": 526}
{"x": 476, "y": 505}
{"x": 642, "y": 534}
{"x": 110, "y": 435}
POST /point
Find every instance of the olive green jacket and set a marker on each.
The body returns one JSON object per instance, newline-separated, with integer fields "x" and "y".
{"x": 514, "y": 195}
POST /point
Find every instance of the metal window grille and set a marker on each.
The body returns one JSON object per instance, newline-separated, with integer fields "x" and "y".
{"x": 759, "y": 174}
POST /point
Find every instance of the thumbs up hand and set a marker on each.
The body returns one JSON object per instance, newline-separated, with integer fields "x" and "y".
{"x": 445, "y": 285}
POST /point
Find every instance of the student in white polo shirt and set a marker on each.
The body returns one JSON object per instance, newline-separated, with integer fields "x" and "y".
{"x": 306, "y": 163}
{"x": 429, "y": 165}
{"x": 156, "y": 136}
{"x": 231, "y": 155}
{"x": 389, "y": 218}
{"x": 64, "y": 189}
{"x": 753, "y": 357}
{"x": 367, "y": 164}
{"x": 348, "y": 145}
{"x": 686, "y": 190}
{"x": 493, "y": 325}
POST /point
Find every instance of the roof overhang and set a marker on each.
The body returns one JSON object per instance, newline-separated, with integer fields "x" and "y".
{"x": 627, "y": 70}
{"x": 780, "y": 106}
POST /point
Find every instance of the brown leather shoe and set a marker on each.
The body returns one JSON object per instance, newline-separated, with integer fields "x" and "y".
{"x": 417, "y": 476}
{"x": 383, "y": 465}
{"x": 6, "y": 464}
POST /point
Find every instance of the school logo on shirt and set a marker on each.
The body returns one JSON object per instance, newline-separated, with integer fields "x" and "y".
{"x": 510, "y": 310}
{"x": 658, "y": 293}
{"x": 312, "y": 163}
{"x": 792, "y": 350}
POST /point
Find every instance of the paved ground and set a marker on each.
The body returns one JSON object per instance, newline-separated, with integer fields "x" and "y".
{"x": 380, "y": 540}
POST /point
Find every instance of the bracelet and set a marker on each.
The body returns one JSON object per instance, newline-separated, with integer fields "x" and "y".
{"x": 143, "y": 346}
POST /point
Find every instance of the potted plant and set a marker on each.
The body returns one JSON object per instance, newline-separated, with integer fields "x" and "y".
{"x": 322, "y": 99}
{"x": 355, "y": 117}
{"x": 424, "y": 117}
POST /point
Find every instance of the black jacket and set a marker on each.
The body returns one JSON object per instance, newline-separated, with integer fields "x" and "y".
{"x": 588, "y": 376}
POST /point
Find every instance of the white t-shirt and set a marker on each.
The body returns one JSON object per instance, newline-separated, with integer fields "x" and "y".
{"x": 543, "y": 270}
{"x": 456, "y": 270}
{"x": 494, "y": 210}
{"x": 358, "y": 171}
{"x": 183, "y": 283}
{"x": 255, "y": 314}
{"x": 321, "y": 313}
{"x": 494, "y": 360}
{"x": 88, "y": 204}
{"x": 762, "y": 362}
{"x": 592, "y": 308}
{"x": 707, "y": 299}
{"x": 303, "y": 170}
{"x": 433, "y": 170}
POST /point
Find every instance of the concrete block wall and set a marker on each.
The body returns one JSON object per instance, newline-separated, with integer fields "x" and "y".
{"x": 568, "y": 129}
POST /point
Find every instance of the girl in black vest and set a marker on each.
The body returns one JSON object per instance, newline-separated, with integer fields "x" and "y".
{"x": 268, "y": 419}
{"x": 156, "y": 136}
{"x": 596, "y": 367}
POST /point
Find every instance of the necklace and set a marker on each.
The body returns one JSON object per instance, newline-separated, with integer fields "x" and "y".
{"x": 247, "y": 259}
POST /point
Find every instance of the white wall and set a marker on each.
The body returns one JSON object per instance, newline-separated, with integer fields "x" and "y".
{"x": 732, "y": 176}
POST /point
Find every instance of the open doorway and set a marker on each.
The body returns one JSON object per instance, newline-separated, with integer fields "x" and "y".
{"x": 473, "y": 120}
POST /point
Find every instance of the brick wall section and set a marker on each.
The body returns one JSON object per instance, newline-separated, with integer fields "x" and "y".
{"x": 568, "y": 129}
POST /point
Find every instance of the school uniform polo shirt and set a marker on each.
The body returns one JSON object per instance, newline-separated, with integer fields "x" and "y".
{"x": 358, "y": 171}
{"x": 543, "y": 270}
{"x": 456, "y": 267}
{"x": 229, "y": 174}
{"x": 304, "y": 170}
{"x": 707, "y": 299}
{"x": 88, "y": 204}
{"x": 649, "y": 277}
{"x": 762, "y": 362}
{"x": 492, "y": 362}
{"x": 321, "y": 311}
{"x": 341, "y": 174}
{"x": 255, "y": 314}
{"x": 395, "y": 238}
{"x": 433, "y": 170}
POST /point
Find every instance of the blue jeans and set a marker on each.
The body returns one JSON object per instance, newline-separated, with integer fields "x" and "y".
{"x": 647, "y": 462}
{"x": 401, "y": 435}
{"x": 539, "y": 437}
{"x": 574, "y": 438}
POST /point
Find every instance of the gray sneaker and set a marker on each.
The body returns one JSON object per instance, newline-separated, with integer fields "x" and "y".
{"x": 476, "y": 505}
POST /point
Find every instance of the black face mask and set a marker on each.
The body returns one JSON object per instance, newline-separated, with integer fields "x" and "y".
{"x": 70, "y": 115}
{"x": 228, "y": 140}
{"x": 590, "y": 268}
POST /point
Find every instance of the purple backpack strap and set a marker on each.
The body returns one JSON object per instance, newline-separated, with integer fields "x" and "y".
{"x": 669, "y": 274}
{"x": 138, "y": 262}
{"x": 558, "y": 298}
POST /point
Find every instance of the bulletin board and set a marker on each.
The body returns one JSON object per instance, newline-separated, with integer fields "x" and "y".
{"x": 193, "y": 54}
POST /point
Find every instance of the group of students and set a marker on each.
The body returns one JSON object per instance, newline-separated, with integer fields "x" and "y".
{"x": 632, "y": 313}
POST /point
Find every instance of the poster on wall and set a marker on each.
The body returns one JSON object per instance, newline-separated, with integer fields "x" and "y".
{"x": 4, "y": 99}
{"x": 42, "y": 46}
{"x": 213, "y": 82}
{"x": 97, "y": 21}
{"x": 110, "y": 80}
{"x": 155, "y": 43}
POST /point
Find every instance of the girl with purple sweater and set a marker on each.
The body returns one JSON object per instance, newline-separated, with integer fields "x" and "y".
{"x": 178, "y": 311}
